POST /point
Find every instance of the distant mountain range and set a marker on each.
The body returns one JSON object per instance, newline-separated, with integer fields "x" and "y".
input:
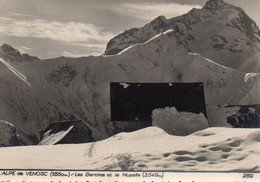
{"x": 217, "y": 45}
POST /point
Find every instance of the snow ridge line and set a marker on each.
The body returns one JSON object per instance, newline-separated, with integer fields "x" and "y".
{"x": 247, "y": 76}
{"x": 198, "y": 54}
{"x": 16, "y": 72}
{"x": 127, "y": 48}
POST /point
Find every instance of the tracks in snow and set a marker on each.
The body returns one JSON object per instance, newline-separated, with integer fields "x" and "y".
{"x": 89, "y": 151}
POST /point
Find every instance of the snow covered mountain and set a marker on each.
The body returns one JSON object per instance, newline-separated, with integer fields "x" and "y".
{"x": 78, "y": 88}
{"x": 215, "y": 30}
{"x": 213, "y": 149}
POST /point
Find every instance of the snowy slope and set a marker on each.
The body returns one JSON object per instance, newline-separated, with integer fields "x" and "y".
{"x": 67, "y": 88}
{"x": 212, "y": 149}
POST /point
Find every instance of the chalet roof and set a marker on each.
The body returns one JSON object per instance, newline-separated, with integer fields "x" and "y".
{"x": 60, "y": 126}
{"x": 57, "y": 131}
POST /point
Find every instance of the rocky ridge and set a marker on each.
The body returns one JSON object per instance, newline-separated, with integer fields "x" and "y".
{"x": 14, "y": 57}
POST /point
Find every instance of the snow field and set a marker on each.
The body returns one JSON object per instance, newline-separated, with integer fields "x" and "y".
{"x": 212, "y": 149}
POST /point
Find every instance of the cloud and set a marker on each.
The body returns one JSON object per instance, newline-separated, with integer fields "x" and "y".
{"x": 18, "y": 14}
{"x": 148, "y": 11}
{"x": 24, "y": 49}
{"x": 75, "y": 54}
{"x": 89, "y": 45}
{"x": 19, "y": 25}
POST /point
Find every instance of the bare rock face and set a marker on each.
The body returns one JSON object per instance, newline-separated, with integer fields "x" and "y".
{"x": 8, "y": 135}
{"x": 200, "y": 30}
{"x": 178, "y": 123}
{"x": 213, "y": 5}
{"x": 62, "y": 75}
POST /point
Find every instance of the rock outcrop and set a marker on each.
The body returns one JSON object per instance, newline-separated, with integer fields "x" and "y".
{"x": 8, "y": 136}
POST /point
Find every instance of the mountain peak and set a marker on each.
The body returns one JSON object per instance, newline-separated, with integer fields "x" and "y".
{"x": 160, "y": 18}
{"x": 217, "y": 5}
{"x": 7, "y": 48}
{"x": 159, "y": 23}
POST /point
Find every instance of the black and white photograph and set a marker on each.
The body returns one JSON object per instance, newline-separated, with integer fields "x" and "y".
{"x": 130, "y": 85}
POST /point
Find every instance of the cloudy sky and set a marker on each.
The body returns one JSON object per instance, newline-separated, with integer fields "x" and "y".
{"x": 52, "y": 28}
